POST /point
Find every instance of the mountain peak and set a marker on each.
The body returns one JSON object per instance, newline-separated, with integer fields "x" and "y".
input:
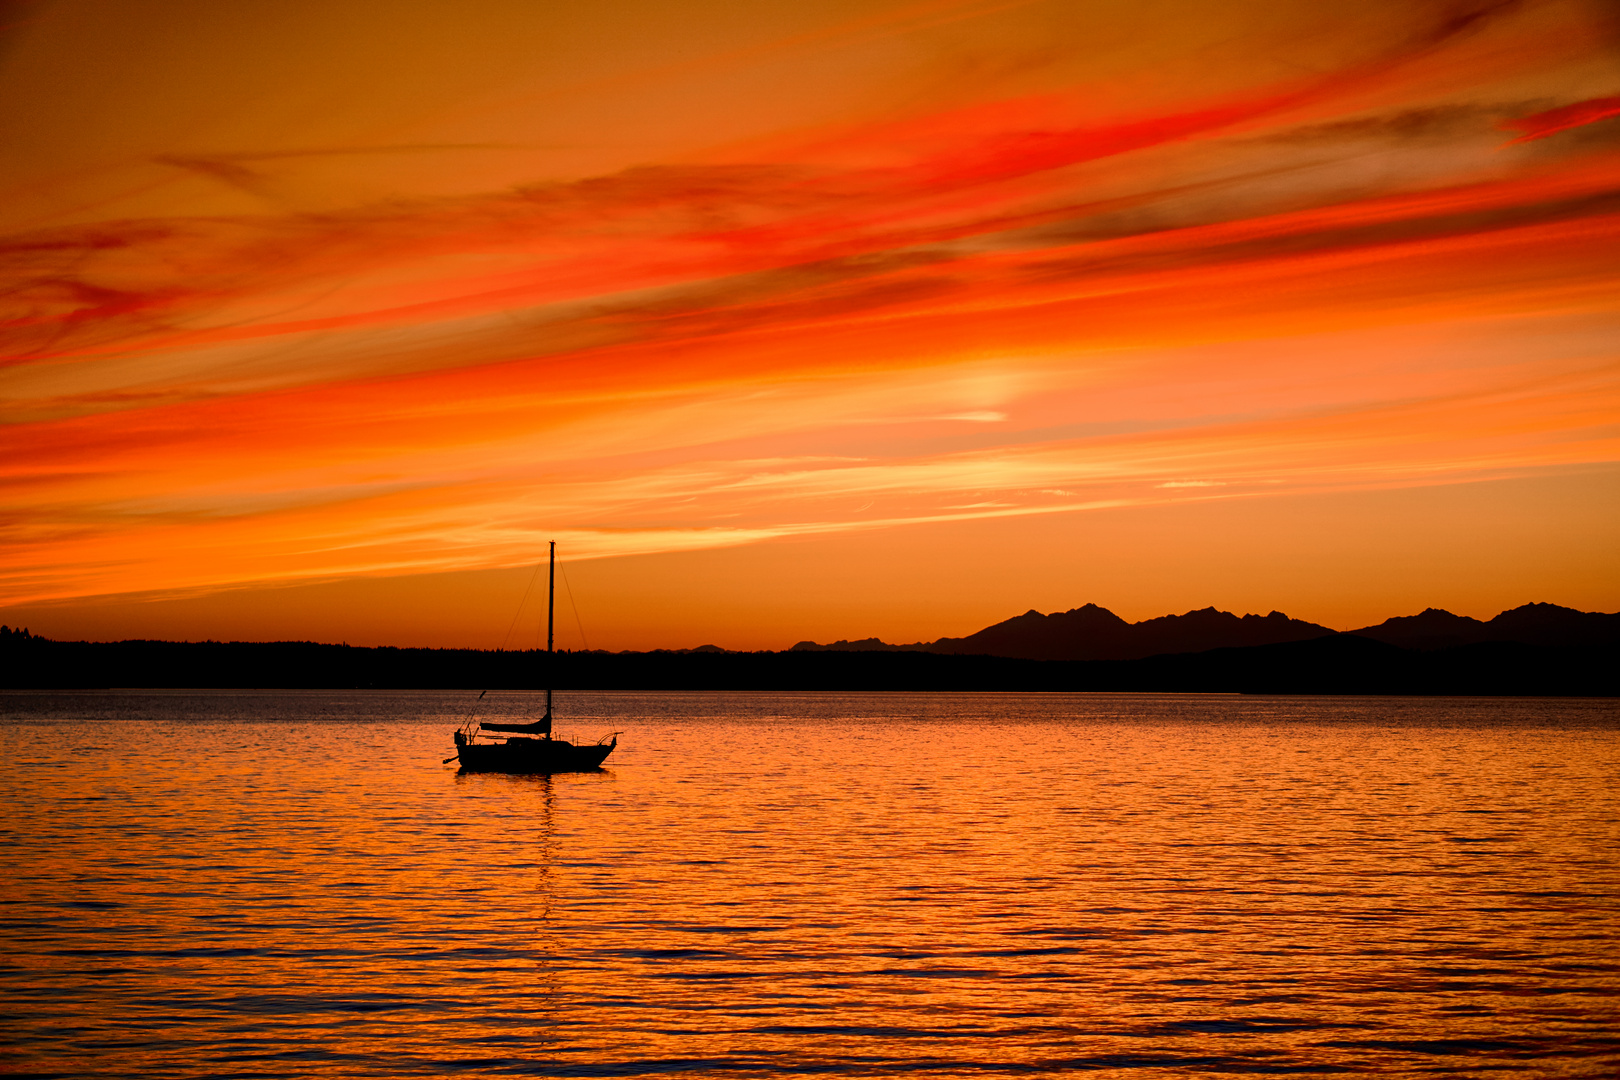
{"x": 1092, "y": 632}
{"x": 1540, "y": 609}
{"x": 1528, "y": 624}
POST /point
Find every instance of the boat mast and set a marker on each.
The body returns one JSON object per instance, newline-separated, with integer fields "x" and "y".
{"x": 551, "y": 609}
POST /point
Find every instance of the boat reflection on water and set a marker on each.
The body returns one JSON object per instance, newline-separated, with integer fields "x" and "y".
{"x": 530, "y": 747}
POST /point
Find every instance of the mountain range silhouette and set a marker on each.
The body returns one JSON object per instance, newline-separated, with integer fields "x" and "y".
{"x": 1095, "y": 633}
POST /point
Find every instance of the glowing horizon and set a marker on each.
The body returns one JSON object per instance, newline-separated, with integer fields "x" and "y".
{"x": 297, "y": 296}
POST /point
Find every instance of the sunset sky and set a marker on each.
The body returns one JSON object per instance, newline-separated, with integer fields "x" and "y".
{"x": 814, "y": 319}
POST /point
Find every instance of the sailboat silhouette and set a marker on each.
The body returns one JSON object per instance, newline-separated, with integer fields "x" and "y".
{"x": 529, "y": 748}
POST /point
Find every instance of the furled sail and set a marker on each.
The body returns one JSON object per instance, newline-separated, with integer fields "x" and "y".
{"x": 539, "y": 727}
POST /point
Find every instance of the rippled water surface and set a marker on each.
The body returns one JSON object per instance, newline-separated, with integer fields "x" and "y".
{"x": 291, "y": 884}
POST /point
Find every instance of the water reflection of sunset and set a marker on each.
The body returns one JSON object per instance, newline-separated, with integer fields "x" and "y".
{"x": 308, "y": 297}
{"x": 788, "y": 883}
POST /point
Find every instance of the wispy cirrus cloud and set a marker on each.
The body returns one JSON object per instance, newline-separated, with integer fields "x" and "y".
{"x": 962, "y": 306}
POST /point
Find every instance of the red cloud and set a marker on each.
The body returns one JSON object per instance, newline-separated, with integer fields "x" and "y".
{"x": 1542, "y": 124}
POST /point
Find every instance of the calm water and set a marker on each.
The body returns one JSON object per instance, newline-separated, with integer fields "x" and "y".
{"x": 291, "y": 884}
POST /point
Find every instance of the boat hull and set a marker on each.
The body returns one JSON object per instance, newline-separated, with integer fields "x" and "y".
{"x": 532, "y": 756}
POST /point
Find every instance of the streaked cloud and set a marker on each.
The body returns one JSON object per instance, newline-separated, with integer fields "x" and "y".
{"x": 837, "y": 267}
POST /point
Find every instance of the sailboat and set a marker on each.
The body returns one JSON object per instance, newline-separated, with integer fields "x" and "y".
{"x": 530, "y": 748}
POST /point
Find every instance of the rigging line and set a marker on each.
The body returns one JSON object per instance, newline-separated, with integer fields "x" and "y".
{"x": 532, "y": 578}
{"x": 575, "y": 606}
{"x": 472, "y": 709}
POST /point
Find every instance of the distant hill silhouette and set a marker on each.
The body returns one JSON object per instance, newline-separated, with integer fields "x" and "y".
{"x": 1095, "y": 633}
{"x": 1532, "y": 624}
{"x": 870, "y": 644}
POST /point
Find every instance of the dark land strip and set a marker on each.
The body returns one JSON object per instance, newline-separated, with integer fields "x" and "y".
{"x": 1330, "y": 664}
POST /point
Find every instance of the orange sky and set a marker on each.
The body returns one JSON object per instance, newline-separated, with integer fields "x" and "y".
{"x": 803, "y": 320}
